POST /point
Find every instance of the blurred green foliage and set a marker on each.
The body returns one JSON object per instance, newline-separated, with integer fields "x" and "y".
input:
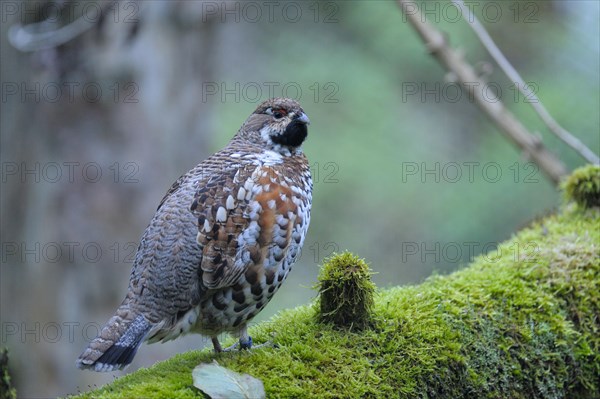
{"x": 378, "y": 133}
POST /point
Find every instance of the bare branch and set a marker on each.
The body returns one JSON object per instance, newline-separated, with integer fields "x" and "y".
{"x": 524, "y": 88}
{"x": 33, "y": 37}
{"x": 465, "y": 74}
{"x": 42, "y": 35}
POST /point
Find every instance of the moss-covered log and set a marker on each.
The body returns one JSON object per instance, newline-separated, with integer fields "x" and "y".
{"x": 521, "y": 322}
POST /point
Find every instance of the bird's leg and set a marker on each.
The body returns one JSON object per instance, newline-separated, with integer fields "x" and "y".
{"x": 216, "y": 345}
{"x": 245, "y": 342}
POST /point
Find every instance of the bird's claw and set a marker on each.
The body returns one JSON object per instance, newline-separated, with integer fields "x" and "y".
{"x": 247, "y": 344}
{"x": 268, "y": 344}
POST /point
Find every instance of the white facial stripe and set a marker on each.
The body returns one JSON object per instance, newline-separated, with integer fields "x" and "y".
{"x": 265, "y": 134}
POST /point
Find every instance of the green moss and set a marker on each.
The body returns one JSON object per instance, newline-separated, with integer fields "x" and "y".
{"x": 583, "y": 186}
{"x": 521, "y": 322}
{"x": 345, "y": 292}
{"x": 6, "y": 389}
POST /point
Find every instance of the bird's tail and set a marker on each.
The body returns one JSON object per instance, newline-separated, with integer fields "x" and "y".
{"x": 117, "y": 343}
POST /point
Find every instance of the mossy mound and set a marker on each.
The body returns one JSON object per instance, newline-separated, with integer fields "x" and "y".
{"x": 583, "y": 186}
{"x": 521, "y": 322}
{"x": 345, "y": 292}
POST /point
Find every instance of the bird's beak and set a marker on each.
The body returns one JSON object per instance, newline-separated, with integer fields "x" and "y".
{"x": 302, "y": 118}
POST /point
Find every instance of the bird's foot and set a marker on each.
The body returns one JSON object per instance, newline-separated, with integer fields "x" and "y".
{"x": 242, "y": 344}
{"x": 247, "y": 345}
{"x": 268, "y": 344}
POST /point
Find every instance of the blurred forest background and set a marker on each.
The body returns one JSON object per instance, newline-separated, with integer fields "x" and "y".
{"x": 95, "y": 130}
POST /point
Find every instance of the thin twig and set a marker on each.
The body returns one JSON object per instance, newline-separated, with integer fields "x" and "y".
{"x": 473, "y": 84}
{"x": 524, "y": 88}
{"x": 32, "y": 37}
{"x": 38, "y": 36}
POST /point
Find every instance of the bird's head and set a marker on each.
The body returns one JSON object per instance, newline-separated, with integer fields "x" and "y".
{"x": 278, "y": 124}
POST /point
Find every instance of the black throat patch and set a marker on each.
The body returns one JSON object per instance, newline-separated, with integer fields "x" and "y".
{"x": 293, "y": 136}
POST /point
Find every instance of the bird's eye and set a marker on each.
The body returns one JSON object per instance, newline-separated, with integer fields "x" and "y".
{"x": 279, "y": 113}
